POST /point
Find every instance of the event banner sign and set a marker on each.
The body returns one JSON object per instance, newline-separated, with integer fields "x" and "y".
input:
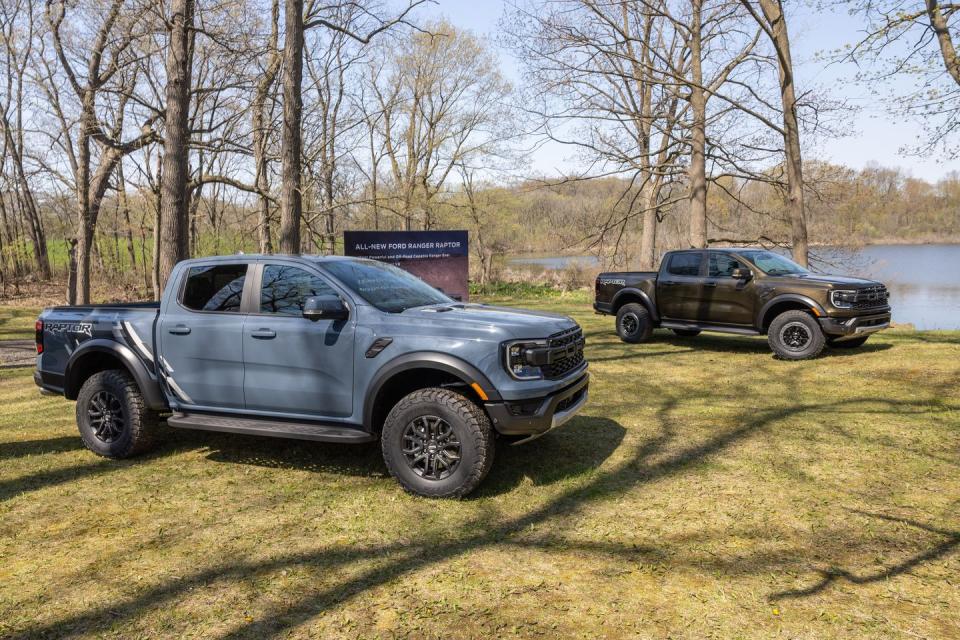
{"x": 438, "y": 257}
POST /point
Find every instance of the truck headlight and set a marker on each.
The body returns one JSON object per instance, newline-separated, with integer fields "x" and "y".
{"x": 522, "y": 358}
{"x": 843, "y": 299}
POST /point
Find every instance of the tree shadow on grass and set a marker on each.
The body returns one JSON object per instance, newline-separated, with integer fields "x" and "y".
{"x": 53, "y": 477}
{"x": 579, "y": 447}
{"x": 949, "y": 543}
{"x": 23, "y": 448}
{"x": 654, "y": 459}
{"x": 361, "y": 460}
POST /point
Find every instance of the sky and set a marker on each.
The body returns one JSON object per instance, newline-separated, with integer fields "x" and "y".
{"x": 874, "y": 139}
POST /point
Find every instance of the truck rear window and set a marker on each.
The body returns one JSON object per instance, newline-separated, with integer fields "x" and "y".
{"x": 214, "y": 288}
{"x": 685, "y": 264}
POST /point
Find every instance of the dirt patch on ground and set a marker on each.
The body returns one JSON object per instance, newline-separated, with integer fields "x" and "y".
{"x": 17, "y": 353}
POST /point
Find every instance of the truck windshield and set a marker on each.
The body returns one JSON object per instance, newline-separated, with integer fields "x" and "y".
{"x": 773, "y": 264}
{"x": 384, "y": 286}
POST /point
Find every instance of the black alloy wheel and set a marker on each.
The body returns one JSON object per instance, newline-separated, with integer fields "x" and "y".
{"x": 431, "y": 447}
{"x": 106, "y": 416}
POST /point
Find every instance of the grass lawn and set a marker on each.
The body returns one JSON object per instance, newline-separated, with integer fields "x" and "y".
{"x": 708, "y": 490}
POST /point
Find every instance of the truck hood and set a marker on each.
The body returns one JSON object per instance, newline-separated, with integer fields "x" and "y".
{"x": 835, "y": 280}
{"x": 511, "y": 323}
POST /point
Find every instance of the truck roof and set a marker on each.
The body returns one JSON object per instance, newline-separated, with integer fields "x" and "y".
{"x": 268, "y": 256}
{"x": 723, "y": 249}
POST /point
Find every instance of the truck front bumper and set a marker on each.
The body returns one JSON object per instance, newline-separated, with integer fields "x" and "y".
{"x": 850, "y": 328}
{"x": 534, "y": 417}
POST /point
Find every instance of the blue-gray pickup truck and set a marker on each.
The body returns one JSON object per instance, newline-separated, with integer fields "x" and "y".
{"x": 331, "y": 349}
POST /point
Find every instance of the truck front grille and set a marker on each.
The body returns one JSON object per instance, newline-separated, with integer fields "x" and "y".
{"x": 871, "y": 297}
{"x": 562, "y": 366}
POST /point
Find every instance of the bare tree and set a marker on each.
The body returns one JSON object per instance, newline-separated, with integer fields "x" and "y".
{"x": 261, "y": 125}
{"x": 17, "y": 32}
{"x": 174, "y": 216}
{"x": 357, "y": 22}
{"x": 914, "y": 41}
{"x": 444, "y": 103}
{"x": 106, "y": 59}
{"x": 774, "y": 25}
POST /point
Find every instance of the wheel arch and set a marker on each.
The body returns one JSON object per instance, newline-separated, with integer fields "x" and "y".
{"x": 410, "y": 372}
{"x": 787, "y": 302}
{"x": 98, "y": 355}
{"x": 626, "y": 296}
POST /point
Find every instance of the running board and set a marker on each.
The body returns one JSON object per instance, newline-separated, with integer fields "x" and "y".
{"x": 672, "y": 324}
{"x": 271, "y": 428}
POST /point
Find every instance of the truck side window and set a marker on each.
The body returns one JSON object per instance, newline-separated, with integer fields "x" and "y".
{"x": 285, "y": 288}
{"x": 722, "y": 265}
{"x": 685, "y": 264}
{"x": 214, "y": 287}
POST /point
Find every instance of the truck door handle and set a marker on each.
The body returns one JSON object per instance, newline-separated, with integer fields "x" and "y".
{"x": 710, "y": 284}
{"x": 264, "y": 334}
{"x": 668, "y": 283}
{"x": 180, "y": 330}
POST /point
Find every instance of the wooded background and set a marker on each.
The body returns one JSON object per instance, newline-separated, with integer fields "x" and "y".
{"x": 139, "y": 133}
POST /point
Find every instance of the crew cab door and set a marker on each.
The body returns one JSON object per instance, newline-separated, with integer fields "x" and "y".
{"x": 200, "y": 336}
{"x": 679, "y": 285}
{"x": 728, "y": 300}
{"x": 295, "y": 365}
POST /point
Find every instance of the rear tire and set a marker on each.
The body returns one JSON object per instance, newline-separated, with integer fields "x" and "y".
{"x": 795, "y": 335}
{"x": 437, "y": 443}
{"x": 847, "y": 344}
{"x": 113, "y": 418}
{"x": 687, "y": 333}
{"x": 633, "y": 323}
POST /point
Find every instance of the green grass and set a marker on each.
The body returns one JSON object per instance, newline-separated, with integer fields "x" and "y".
{"x": 708, "y": 490}
{"x": 17, "y": 322}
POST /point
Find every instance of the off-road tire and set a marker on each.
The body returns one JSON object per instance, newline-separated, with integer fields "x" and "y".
{"x": 802, "y": 324}
{"x": 138, "y": 425}
{"x": 472, "y": 428}
{"x": 633, "y": 323}
{"x": 687, "y": 333}
{"x": 853, "y": 343}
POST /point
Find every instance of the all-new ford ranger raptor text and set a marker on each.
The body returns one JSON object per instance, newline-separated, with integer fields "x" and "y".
{"x": 331, "y": 349}
{"x": 745, "y": 291}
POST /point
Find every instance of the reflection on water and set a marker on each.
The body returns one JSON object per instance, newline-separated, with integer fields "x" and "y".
{"x": 924, "y": 280}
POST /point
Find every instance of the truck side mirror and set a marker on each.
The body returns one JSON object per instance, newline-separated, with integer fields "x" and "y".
{"x": 742, "y": 274}
{"x": 326, "y": 307}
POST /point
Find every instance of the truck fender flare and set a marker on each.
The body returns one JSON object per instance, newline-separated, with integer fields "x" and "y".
{"x": 426, "y": 360}
{"x": 149, "y": 387}
{"x": 644, "y": 298}
{"x": 810, "y": 303}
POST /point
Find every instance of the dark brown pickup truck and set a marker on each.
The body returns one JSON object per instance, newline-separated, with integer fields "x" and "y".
{"x": 745, "y": 291}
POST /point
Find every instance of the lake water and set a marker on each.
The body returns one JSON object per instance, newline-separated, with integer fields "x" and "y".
{"x": 924, "y": 280}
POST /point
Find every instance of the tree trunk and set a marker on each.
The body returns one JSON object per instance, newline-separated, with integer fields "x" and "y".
{"x": 127, "y": 225}
{"x": 291, "y": 203}
{"x": 697, "y": 172}
{"x": 773, "y": 13}
{"x": 938, "y": 22}
{"x": 72, "y": 272}
{"x": 174, "y": 196}
{"x": 648, "y": 235}
{"x": 157, "y": 223}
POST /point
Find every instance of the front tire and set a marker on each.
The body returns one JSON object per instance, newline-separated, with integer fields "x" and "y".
{"x": 795, "y": 335}
{"x": 113, "y": 417}
{"x": 847, "y": 344}
{"x": 633, "y": 323}
{"x": 437, "y": 443}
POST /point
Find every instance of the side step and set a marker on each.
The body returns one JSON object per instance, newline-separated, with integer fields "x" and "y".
{"x": 673, "y": 324}
{"x": 271, "y": 428}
